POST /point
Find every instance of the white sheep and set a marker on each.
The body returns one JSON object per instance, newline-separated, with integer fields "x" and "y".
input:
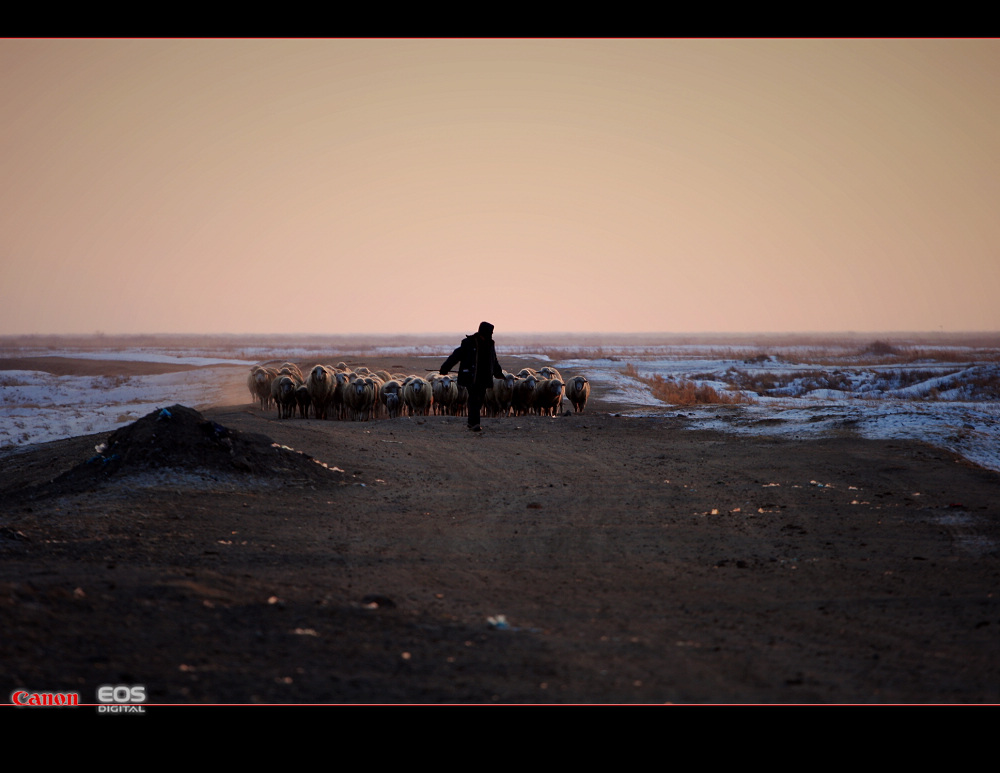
{"x": 499, "y": 396}
{"x": 291, "y": 369}
{"x": 548, "y": 396}
{"x": 523, "y": 399}
{"x": 445, "y": 395}
{"x": 320, "y": 383}
{"x": 418, "y": 396}
{"x": 259, "y": 382}
{"x": 339, "y": 398}
{"x": 361, "y": 398}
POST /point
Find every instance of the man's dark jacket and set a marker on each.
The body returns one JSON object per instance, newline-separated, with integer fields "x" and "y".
{"x": 478, "y": 365}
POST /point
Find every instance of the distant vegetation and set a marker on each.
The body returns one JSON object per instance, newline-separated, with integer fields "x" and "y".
{"x": 976, "y": 383}
{"x": 684, "y": 392}
{"x": 843, "y": 350}
{"x": 880, "y": 349}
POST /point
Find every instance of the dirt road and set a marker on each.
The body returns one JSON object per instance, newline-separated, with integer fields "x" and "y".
{"x": 592, "y": 558}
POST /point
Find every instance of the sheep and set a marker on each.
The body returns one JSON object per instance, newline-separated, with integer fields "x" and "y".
{"x": 577, "y": 392}
{"x": 391, "y": 396}
{"x": 361, "y": 398}
{"x": 377, "y": 406}
{"x": 523, "y": 398}
{"x": 334, "y": 391}
{"x": 303, "y": 400}
{"x": 291, "y": 369}
{"x": 320, "y": 385}
{"x": 338, "y": 404}
{"x": 445, "y": 395}
{"x": 259, "y": 382}
{"x": 461, "y": 405}
{"x": 251, "y": 386}
{"x": 498, "y": 397}
{"x": 283, "y": 393}
{"x": 548, "y": 396}
{"x": 418, "y": 396}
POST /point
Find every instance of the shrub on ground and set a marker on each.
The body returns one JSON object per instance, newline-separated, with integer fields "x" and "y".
{"x": 684, "y": 392}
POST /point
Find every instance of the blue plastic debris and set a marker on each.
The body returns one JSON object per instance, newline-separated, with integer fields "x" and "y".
{"x": 499, "y": 622}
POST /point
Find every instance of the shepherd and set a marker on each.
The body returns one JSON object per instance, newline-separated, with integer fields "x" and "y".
{"x": 477, "y": 367}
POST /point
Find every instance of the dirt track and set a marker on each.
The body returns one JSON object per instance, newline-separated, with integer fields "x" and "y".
{"x": 633, "y": 560}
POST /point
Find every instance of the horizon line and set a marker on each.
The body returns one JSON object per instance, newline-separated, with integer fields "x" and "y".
{"x": 632, "y": 333}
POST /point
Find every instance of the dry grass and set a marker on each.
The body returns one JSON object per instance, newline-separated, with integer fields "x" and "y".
{"x": 817, "y": 349}
{"x": 769, "y": 384}
{"x": 883, "y": 353}
{"x": 978, "y": 383}
{"x": 684, "y": 392}
{"x": 836, "y": 354}
{"x": 110, "y": 381}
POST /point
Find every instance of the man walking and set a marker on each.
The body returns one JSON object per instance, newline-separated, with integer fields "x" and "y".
{"x": 477, "y": 366}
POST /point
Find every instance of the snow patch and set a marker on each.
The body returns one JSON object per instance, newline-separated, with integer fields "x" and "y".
{"x": 871, "y": 401}
{"x": 36, "y": 407}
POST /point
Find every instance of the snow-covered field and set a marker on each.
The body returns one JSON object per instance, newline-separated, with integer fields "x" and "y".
{"x": 952, "y": 405}
{"x": 36, "y": 407}
{"x": 950, "y": 399}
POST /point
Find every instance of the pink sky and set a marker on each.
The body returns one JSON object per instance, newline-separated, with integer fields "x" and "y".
{"x": 409, "y": 186}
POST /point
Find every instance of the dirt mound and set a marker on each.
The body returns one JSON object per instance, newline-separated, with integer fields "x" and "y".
{"x": 179, "y": 437}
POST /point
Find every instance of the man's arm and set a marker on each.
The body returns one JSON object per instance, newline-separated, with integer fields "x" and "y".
{"x": 452, "y": 361}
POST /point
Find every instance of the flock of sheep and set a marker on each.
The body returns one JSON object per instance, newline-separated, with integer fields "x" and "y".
{"x": 337, "y": 392}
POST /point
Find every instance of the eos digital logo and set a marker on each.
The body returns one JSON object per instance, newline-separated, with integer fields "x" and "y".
{"x": 121, "y": 699}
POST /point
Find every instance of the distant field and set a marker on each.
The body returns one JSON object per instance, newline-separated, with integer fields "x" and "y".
{"x": 940, "y": 388}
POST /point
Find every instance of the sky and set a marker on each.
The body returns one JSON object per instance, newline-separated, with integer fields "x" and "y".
{"x": 411, "y": 186}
